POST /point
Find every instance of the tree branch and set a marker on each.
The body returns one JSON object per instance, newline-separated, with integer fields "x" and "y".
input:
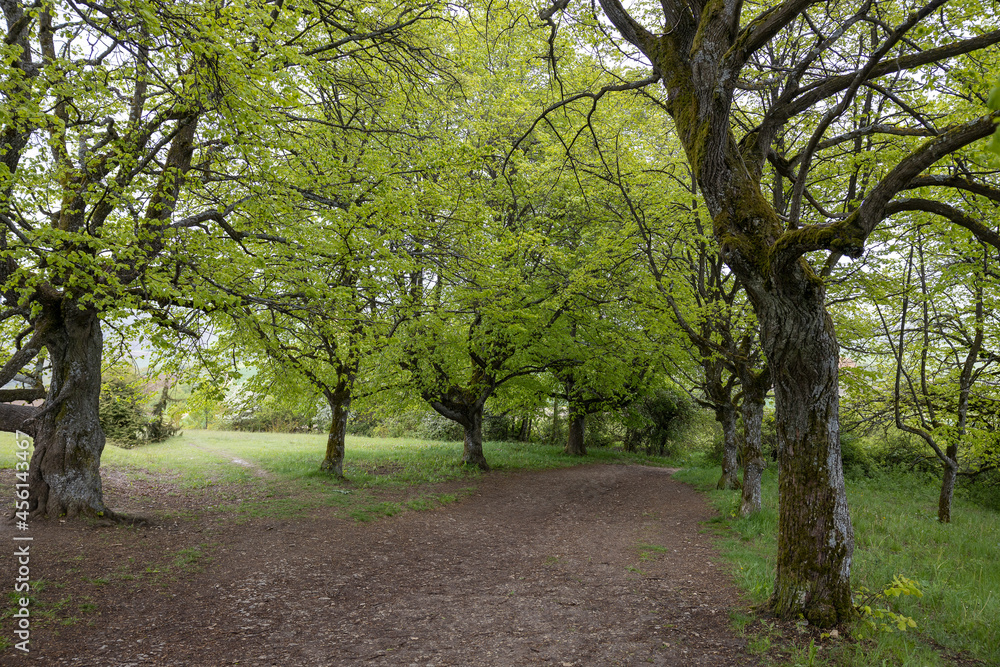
{"x": 15, "y": 418}
{"x": 960, "y": 218}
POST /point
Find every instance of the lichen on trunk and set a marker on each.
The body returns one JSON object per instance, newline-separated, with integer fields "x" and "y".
{"x": 340, "y": 407}
{"x": 726, "y": 416}
{"x": 816, "y": 540}
{"x": 752, "y": 411}
{"x": 64, "y": 475}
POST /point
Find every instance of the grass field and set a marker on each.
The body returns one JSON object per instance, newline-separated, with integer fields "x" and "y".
{"x": 956, "y": 565}
{"x": 206, "y": 456}
{"x": 384, "y": 476}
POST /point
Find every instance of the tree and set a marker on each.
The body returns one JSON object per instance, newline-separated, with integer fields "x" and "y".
{"x": 704, "y": 53}
{"x": 931, "y": 346}
{"x": 691, "y": 287}
{"x": 108, "y": 106}
{"x": 140, "y": 144}
{"x": 517, "y": 254}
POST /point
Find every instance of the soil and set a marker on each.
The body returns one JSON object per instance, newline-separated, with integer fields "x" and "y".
{"x": 589, "y": 565}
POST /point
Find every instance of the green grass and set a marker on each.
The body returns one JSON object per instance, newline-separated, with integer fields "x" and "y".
{"x": 283, "y": 471}
{"x": 648, "y": 552}
{"x": 203, "y": 458}
{"x": 956, "y": 565}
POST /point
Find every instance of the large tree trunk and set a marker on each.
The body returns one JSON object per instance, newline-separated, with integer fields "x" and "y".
{"x": 340, "y": 408}
{"x": 574, "y": 442}
{"x": 470, "y": 416}
{"x": 816, "y": 540}
{"x": 472, "y": 443}
{"x": 726, "y": 416}
{"x": 753, "y": 452}
{"x": 576, "y": 417}
{"x": 755, "y": 386}
{"x": 65, "y": 476}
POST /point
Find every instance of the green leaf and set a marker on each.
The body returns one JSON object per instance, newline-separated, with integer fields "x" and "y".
{"x": 993, "y": 101}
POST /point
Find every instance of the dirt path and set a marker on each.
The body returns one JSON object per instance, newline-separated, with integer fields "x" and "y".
{"x": 593, "y": 565}
{"x": 232, "y": 458}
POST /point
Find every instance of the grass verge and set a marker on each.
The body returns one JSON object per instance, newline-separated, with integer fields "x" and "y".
{"x": 896, "y": 533}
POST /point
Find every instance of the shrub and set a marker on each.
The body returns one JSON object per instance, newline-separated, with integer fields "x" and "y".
{"x": 267, "y": 414}
{"x": 123, "y": 414}
{"x": 434, "y": 426}
{"x": 898, "y": 450}
{"x": 121, "y": 411}
{"x": 654, "y": 419}
{"x": 854, "y": 455}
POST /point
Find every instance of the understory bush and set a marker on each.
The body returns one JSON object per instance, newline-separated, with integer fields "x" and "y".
{"x": 653, "y": 422}
{"x": 268, "y": 414}
{"x": 429, "y": 425}
{"x": 124, "y": 416}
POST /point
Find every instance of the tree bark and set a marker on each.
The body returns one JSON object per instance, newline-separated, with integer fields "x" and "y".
{"x": 340, "y": 408}
{"x": 15, "y": 418}
{"x": 699, "y": 58}
{"x": 726, "y": 416}
{"x": 948, "y": 484}
{"x": 816, "y": 540}
{"x": 524, "y": 434}
{"x": 64, "y": 476}
{"x": 472, "y": 443}
{"x": 469, "y": 414}
{"x": 576, "y": 416}
{"x": 753, "y": 453}
{"x": 755, "y": 386}
{"x": 575, "y": 445}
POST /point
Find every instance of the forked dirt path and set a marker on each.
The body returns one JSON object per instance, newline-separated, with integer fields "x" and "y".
{"x": 591, "y": 565}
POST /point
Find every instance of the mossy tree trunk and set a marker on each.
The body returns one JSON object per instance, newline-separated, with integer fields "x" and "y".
{"x": 725, "y": 414}
{"x": 816, "y": 540}
{"x": 339, "y": 400}
{"x": 699, "y": 67}
{"x": 466, "y": 409}
{"x": 64, "y": 476}
{"x": 752, "y": 411}
{"x": 700, "y": 57}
